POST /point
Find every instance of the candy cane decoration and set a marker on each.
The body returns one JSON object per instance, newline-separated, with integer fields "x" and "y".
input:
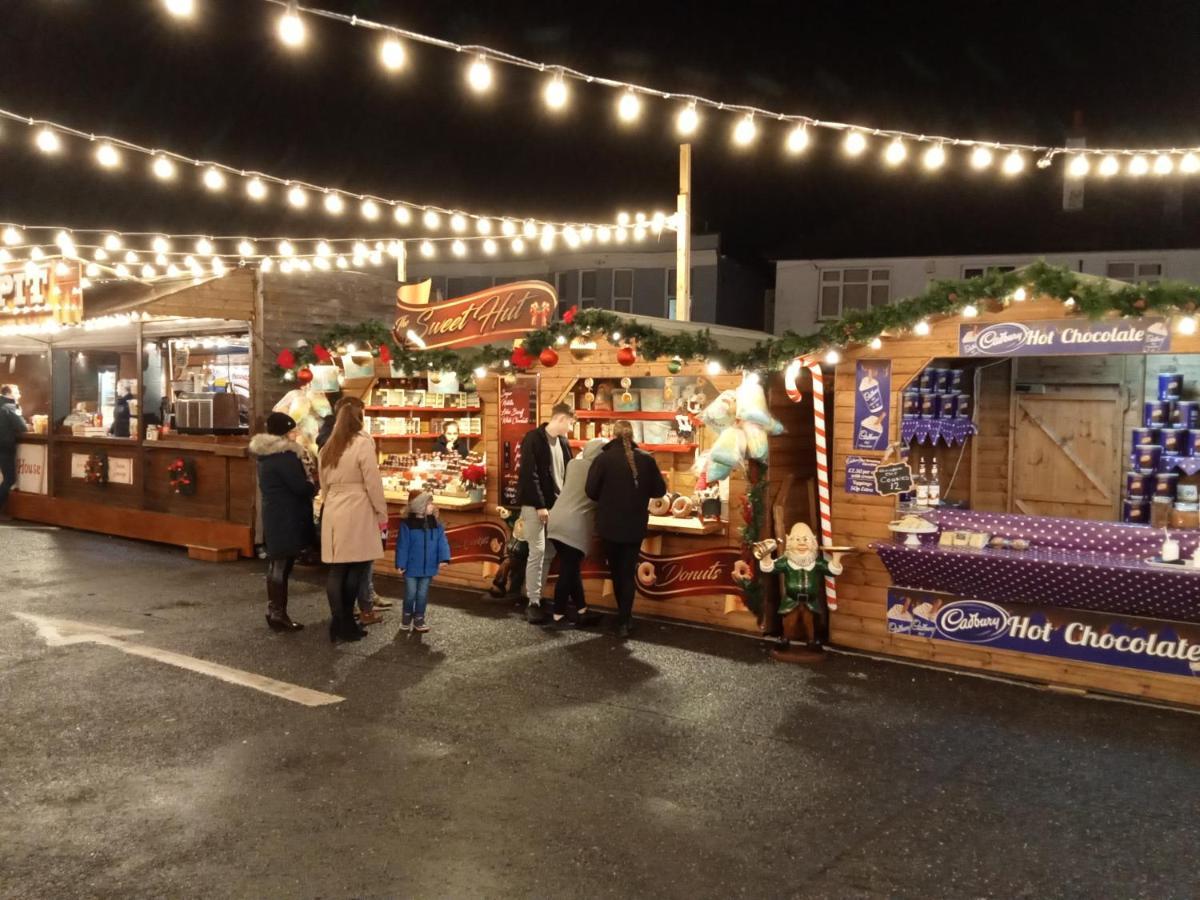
{"x": 823, "y": 494}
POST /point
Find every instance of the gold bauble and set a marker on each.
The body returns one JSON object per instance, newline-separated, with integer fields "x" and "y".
{"x": 581, "y": 348}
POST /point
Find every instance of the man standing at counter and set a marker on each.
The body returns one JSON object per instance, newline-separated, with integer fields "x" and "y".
{"x": 543, "y": 466}
{"x": 12, "y": 426}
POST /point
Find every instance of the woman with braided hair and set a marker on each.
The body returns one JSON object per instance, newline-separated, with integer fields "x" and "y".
{"x": 622, "y": 482}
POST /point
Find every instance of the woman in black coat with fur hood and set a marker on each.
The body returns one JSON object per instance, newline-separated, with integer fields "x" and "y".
{"x": 287, "y": 511}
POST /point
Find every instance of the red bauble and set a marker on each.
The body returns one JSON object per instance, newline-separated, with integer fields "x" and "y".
{"x": 286, "y": 359}
{"x": 626, "y": 356}
{"x": 569, "y": 316}
{"x": 305, "y": 375}
{"x": 385, "y": 355}
{"x": 521, "y": 358}
{"x": 548, "y": 358}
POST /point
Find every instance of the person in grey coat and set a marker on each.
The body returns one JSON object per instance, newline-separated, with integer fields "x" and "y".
{"x": 570, "y": 528}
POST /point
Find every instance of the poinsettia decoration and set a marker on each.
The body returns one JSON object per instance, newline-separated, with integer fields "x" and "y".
{"x": 322, "y": 355}
{"x": 473, "y": 476}
{"x": 569, "y": 316}
{"x": 286, "y": 359}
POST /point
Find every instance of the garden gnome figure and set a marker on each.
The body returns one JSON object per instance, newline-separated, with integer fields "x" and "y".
{"x": 804, "y": 569}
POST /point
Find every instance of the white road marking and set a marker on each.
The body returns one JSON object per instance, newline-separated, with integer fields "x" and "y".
{"x": 62, "y": 632}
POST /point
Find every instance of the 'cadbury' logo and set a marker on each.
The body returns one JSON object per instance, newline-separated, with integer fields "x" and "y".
{"x": 974, "y": 621}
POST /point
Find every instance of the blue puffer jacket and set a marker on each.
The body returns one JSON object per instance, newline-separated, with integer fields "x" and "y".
{"x": 421, "y": 547}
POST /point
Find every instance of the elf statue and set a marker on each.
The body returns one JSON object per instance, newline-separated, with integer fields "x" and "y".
{"x": 803, "y": 566}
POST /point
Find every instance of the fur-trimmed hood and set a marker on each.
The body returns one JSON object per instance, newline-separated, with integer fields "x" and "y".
{"x": 269, "y": 444}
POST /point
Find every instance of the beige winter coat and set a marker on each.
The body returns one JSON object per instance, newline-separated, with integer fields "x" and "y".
{"x": 354, "y": 507}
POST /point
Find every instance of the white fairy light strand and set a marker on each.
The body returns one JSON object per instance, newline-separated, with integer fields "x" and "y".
{"x": 746, "y": 114}
{"x": 167, "y": 165}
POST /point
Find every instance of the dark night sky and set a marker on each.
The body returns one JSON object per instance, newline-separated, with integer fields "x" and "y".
{"x": 223, "y": 88}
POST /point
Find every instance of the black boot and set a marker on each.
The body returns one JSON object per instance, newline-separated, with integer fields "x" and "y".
{"x": 277, "y": 601}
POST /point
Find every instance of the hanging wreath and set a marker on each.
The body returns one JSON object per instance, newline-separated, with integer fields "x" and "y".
{"x": 95, "y": 470}
{"x": 182, "y": 475}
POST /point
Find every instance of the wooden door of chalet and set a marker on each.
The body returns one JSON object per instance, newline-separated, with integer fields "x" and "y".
{"x": 1067, "y": 458}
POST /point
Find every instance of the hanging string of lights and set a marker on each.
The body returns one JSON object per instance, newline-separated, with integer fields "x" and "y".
{"x": 167, "y": 166}
{"x": 749, "y": 121}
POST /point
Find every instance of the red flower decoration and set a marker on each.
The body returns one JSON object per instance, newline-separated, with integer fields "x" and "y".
{"x": 286, "y": 359}
{"x": 321, "y": 353}
{"x": 569, "y": 316}
{"x": 521, "y": 358}
{"x": 385, "y": 355}
{"x": 474, "y": 474}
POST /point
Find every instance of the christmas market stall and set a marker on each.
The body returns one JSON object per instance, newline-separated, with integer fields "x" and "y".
{"x": 1017, "y": 459}
{"x": 733, "y": 449}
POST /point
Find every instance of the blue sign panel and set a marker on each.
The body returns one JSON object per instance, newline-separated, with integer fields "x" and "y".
{"x": 1172, "y": 648}
{"x": 1065, "y": 337}
{"x": 872, "y": 396}
{"x": 860, "y": 475}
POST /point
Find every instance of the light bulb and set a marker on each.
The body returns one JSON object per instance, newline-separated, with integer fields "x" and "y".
{"x": 621, "y": 234}
{"x": 100, "y": 255}
{"x": 92, "y": 270}
{"x": 13, "y": 236}
{"x": 47, "y": 141}
{"x": 548, "y": 232}
{"x": 616, "y": 337}
{"x": 321, "y": 263}
{"x": 218, "y": 266}
{"x": 556, "y": 93}
{"x": 341, "y": 262}
{"x": 712, "y": 367}
{"x": 483, "y": 226}
{"x": 1163, "y": 164}
{"x": 458, "y": 224}
{"x": 108, "y": 156}
{"x": 285, "y": 248}
{"x": 1190, "y": 164}
{"x": 131, "y": 257}
{"x": 458, "y": 248}
{"x": 529, "y": 229}
{"x": 161, "y": 245}
{"x": 286, "y": 267}
{"x": 297, "y": 197}
{"x": 797, "y": 140}
{"x": 658, "y": 222}
{"x": 480, "y": 372}
{"x": 895, "y": 153}
{"x": 148, "y": 271}
{"x": 629, "y": 107}
{"x": 934, "y": 158}
{"x": 547, "y": 242}
{"x": 518, "y": 245}
{"x": 586, "y": 233}
{"x": 112, "y": 243}
{"x": 981, "y": 157}
{"x": 603, "y": 234}
{"x": 256, "y": 189}
{"x": 969, "y": 311}
{"x": 687, "y": 121}
{"x": 121, "y": 270}
{"x": 1020, "y": 295}
{"x": 180, "y": 9}
{"x": 246, "y": 248}
{"x": 369, "y": 210}
{"x": 1108, "y": 166}
{"x": 639, "y": 233}
{"x": 1139, "y": 165}
{"x": 855, "y": 143}
{"x": 571, "y": 236}
{"x": 163, "y": 168}
{"x": 214, "y": 179}
{"x": 1187, "y": 325}
{"x": 921, "y": 328}
{"x": 402, "y": 215}
{"x": 876, "y": 343}
{"x": 745, "y": 131}
{"x": 323, "y": 249}
{"x": 1078, "y": 166}
{"x": 431, "y": 220}
{"x": 392, "y": 55}
{"x": 204, "y": 247}
{"x": 489, "y": 247}
{"x": 427, "y": 249}
{"x": 334, "y": 204}
{"x": 508, "y": 228}
{"x": 622, "y": 218}
{"x": 832, "y": 358}
{"x": 290, "y": 27}
{"x": 1014, "y": 163}
{"x": 479, "y": 75}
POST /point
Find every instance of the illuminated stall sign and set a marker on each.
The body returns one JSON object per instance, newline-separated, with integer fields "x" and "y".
{"x": 497, "y": 314}
{"x": 42, "y": 293}
{"x": 1065, "y": 337}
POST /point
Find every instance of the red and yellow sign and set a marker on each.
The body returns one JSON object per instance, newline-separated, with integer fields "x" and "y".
{"x": 497, "y": 314}
{"x": 41, "y": 293}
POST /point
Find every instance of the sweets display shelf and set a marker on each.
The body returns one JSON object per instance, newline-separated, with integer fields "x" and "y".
{"x": 649, "y": 448}
{"x": 653, "y": 404}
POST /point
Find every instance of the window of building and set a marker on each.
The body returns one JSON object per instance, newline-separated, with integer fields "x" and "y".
{"x": 587, "y": 288}
{"x": 623, "y": 290}
{"x": 843, "y": 290}
{"x": 977, "y": 271}
{"x": 1136, "y": 272}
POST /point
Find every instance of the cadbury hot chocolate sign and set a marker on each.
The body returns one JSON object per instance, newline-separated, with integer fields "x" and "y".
{"x": 1065, "y": 337}
{"x": 496, "y": 314}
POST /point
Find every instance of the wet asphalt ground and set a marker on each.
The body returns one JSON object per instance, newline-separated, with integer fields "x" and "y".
{"x": 492, "y": 759}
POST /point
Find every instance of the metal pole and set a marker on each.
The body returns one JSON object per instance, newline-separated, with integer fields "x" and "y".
{"x": 683, "y": 237}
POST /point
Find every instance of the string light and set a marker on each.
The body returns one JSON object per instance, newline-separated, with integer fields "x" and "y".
{"x": 629, "y": 107}
{"x": 290, "y": 27}
{"x": 518, "y": 245}
{"x": 108, "y": 156}
{"x": 479, "y": 75}
{"x": 895, "y": 153}
{"x": 712, "y": 367}
{"x": 402, "y": 215}
{"x": 1014, "y": 163}
{"x": 745, "y": 131}
{"x": 214, "y": 180}
{"x": 935, "y": 157}
{"x": 1020, "y": 295}
{"x": 392, "y": 54}
{"x": 832, "y": 358}
{"x": 297, "y": 197}
{"x": 163, "y": 168}
{"x": 255, "y": 189}
{"x": 854, "y": 144}
{"x": 1138, "y": 166}
{"x": 483, "y": 226}
{"x": 180, "y": 9}
{"x": 47, "y": 141}
{"x": 431, "y": 220}
{"x": 160, "y": 245}
{"x": 1190, "y": 164}
{"x": 508, "y": 228}
{"x": 1163, "y": 164}
{"x": 334, "y": 205}
{"x": 555, "y": 93}
{"x": 921, "y": 328}
{"x": 981, "y": 157}
{"x": 458, "y": 248}
{"x": 1109, "y": 166}
{"x": 797, "y": 140}
{"x": 876, "y": 343}
{"x": 204, "y": 247}
{"x": 1186, "y": 325}
{"x": 369, "y": 210}
{"x": 1079, "y": 166}
{"x": 13, "y": 236}
{"x": 112, "y": 243}
{"x": 970, "y": 311}
{"x": 458, "y": 224}
{"x": 489, "y": 247}
{"x": 688, "y": 120}
{"x": 427, "y": 249}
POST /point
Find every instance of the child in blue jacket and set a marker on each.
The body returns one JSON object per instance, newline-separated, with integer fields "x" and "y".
{"x": 421, "y": 550}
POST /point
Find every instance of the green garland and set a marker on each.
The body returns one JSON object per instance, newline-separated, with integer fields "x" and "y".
{"x": 754, "y": 516}
{"x": 1091, "y": 297}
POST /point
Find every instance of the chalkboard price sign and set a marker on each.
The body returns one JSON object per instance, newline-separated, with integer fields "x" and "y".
{"x": 894, "y": 478}
{"x": 518, "y": 414}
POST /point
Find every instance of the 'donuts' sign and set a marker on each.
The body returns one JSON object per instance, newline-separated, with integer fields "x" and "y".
{"x": 703, "y": 572}
{"x": 497, "y": 314}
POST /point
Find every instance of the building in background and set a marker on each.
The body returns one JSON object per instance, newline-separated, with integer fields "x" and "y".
{"x": 635, "y": 278}
{"x": 811, "y": 291}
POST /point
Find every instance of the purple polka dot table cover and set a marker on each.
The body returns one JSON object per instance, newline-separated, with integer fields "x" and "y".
{"x": 1073, "y": 563}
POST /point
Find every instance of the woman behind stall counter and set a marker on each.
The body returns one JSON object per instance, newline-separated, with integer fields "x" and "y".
{"x": 449, "y": 441}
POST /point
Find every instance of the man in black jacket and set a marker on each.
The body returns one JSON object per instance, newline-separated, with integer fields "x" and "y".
{"x": 11, "y": 427}
{"x": 541, "y": 467}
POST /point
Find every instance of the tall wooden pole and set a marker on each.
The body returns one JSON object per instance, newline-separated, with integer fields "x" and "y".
{"x": 683, "y": 237}
{"x": 402, "y": 263}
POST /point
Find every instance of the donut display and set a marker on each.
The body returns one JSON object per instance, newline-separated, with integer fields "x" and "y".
{"x": 645, "y": 574}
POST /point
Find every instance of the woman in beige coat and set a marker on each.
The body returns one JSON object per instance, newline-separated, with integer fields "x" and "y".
{"x": 353, "y": 514}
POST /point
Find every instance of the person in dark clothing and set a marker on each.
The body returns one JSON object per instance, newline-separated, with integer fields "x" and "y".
{"x": 122, "y": 412}
{"x": 12, "y": 426}
{"x": 542, "y": 467}
{"x": 287, "y": 512}
{"x": 449, "y": 441}
{"x": 325, "y": 430}
{"x": 622, "y": 481}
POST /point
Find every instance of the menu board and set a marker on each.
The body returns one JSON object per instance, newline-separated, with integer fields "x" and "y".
{"x": 518, "y": 414}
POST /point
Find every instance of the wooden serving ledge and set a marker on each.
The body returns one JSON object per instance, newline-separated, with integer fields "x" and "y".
{"x": 649, "y": 448}
{"x": 691, "y": 525}
{"x": 416, "y": 409}
{"x": 458, "y": 504}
